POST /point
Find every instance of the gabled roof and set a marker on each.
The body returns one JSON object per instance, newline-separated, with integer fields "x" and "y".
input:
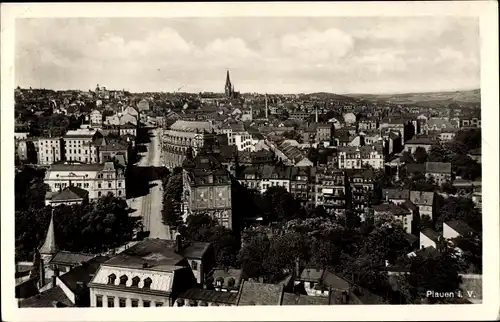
{"x": 70, "y": 258}
{"x": 396, "y": 193}
{"x": 415, "y": 168}
{"x": 70, "y": 193}
{"x": 82, "y": 274}
{"x": 212, "y": 296}
{"x": 53, "y": 297}
{"x": 460, "y": 227}
{"x": 300, "y": 299}
{"x": 431, "y": 234}
{"x": 422, "y": 198}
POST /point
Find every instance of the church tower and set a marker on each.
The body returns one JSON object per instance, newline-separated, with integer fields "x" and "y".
{"x": 49, "y": 247}
{"x": 228, "y": 89}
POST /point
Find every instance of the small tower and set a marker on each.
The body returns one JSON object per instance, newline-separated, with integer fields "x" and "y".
{"x": 49, "y": 247}
{"x": 316, "y": 113}
{"x": 267, "y": 107}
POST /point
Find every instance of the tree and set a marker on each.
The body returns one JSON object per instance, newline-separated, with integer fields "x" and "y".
{"x": 458, "y": 208}
{"x": 278, "y": 204}
{"x": 420, "y": 155}
{"x": 253, "y": 255}
{"x": 172, "y": 197}
{"x": 284, "y": 251}
{"x": 439, "y": 274}
{"x": 438, "y": 153}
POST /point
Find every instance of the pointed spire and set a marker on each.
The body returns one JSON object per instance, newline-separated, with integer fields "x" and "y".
{"x": 228, "y": 80}
{"x": 49, "y": 246}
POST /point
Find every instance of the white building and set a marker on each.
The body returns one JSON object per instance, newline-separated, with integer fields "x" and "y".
{"x": 354, "y": 157}
{"x": 49, "y": 150}
{"x": 76, "y": 144}
{"x": 97, "y": 179}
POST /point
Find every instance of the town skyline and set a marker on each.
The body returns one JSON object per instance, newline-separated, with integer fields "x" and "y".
{"x": 357, "y": 56}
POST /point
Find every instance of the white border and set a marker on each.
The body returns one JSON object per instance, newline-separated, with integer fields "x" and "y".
{"x": 485, "y": 10}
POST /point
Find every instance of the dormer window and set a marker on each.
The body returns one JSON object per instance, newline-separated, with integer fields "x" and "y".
{"x": 194, "y": 265}
{"x": 111, "y": 279}
{"x": 123, "y": 280}
{"x": 135, "y": 282}
{"x": 147, "y": 283}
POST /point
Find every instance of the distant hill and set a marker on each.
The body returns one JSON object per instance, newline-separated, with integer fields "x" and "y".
{"x": 465, "y": 98}
{"x": 329, "y": 96}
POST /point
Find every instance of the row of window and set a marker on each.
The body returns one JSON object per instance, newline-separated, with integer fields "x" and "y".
{"x": 99, "y": 193}
{"x": 99, "y": 185}
{"x": 122, "y": 302}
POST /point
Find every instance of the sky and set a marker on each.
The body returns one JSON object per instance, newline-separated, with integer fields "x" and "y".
{"x": 268, "y": 54}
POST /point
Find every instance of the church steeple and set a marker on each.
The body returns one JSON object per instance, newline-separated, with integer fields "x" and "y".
{"x": 49, "y": 247}
{"x": 228, "y": 89}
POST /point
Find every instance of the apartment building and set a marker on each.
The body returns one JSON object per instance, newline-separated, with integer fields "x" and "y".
{"x": 50, "y": 150}
{"x": 350, "y": 157}
{"x": 330, "y": 190}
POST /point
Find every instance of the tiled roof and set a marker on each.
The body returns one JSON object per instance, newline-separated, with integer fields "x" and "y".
{"x": 53, "y": 297}
{"x": 209, "y": 296}
{"x": 252, "y": 293}
{"x": 299, "y": 299}
{"x": 438, "y": 167}
{"x": 396, "y": 193}
{"x": 69, "y": 258}
{"x": 70, "y": 193}
{"x": 82, "y": 274}
{"x": 421, "y": 141}
{"x": 195, "y": 250}
{"x": 76, "y": 167}
{"x": 192, "y": 126}
{"x": 392, "y": 208}
{"x": 415, "y": 168}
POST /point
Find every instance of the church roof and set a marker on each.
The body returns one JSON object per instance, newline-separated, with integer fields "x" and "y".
{"x": 49, "y": 246}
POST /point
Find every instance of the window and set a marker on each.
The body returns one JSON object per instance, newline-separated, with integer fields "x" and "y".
{"x": 119, "y": 184}
{"x": 135, "y": 282}
{"x": 111, "y": 301}
{"x": 122, "y": 302}
{"x": 147, "y": 282}
{"x": 111, "y": 279}
{"x": 123, "y": 280}
{"x": 158, "y": 304}
{"x": 98, "y": 300}
{"x": 109, "y": 184}
{"x": 146, "y": 303}
{"x": 119, "y": 192}
{"x": 85, "y": 185}
{"x": 99, "y": 186}
{"x": 99, "y": 194}
{"x": 194, "y": 265}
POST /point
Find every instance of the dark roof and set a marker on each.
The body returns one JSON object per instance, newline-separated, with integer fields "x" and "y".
{"x": 70, "y": 193}
{"x": 460, "y": 227}
{"x": 396, "y": 194}
{"x": 428, "y": 252}
{"x": 422, "y": 198}
{"x": 438, "y": 167}
{"x": 237, "y": 274}
{"x": 69, "y": 258}
{"x": 411, "y": 238}
{"x": 406, "y": 157}
{"x": 299, "y": 299}
{"x": 209, "y": 296}
{"x": 392, "y": 208}
{"x": 409, "y": 205}
{"x": 82, "y": 274}
{"x": 76, "y": 167}
{"x": 311, "y": 274}
{"x": 421, "y": 141}
{"x": 195, "y": 250}
{"x": 53, "y": 297}
{"x": 252, "y": 293}
{"x": 415, "y": 168}
{"x": 431, "y": 233}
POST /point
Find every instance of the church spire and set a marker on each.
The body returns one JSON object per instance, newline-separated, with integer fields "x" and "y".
{"x": 228, "y": 79}
{"x": 49, "y": 247}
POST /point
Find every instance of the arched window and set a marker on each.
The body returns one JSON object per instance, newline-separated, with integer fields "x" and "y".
{"x": 135, "y": 282}
{"x": 123, "y": 280}
{"x": 194, "y": 265}
{"x": 111, "y": 279}
{"x": 147, "y": 282}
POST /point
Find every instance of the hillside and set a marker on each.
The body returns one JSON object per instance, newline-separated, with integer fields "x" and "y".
{"x": 466, "y": 98}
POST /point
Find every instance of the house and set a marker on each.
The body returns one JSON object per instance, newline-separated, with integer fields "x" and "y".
{"x": 457, "y": 228}
{"x": 154, "y": 272}
{"x": 440, "y": 171}
{"x": 128, "y": 128}
{"x": 96, "y": 117}
{"x": 290, "y": 154}
{"x": 429, "y": 238}
{"x": 355, "y": 157}
{"x": 70, "y": 195}
{"x": 65, "y": 261}
{"x": 226, "y": 279}
{"x": 398, "y": 213}
{"x": 205, "y": 297}
{"x": 424, "y": 201}
{"x": 330, "y": 190}
{"x": 423, "y": 142}
{"x": 396, "y": 196}
{"x": 361, "y": 184}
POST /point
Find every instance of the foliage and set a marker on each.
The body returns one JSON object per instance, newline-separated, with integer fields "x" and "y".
{"x": 420, "y": 155}
{"x": 204, "y": 228}
{"x": 253, "y": 255}
{"x": 457, "y": 208}
{"x": 30, "y": 189}
{"x": 92, "y": 228}
{"x": 172, "y": 196}
{"x": 277, "y": 204}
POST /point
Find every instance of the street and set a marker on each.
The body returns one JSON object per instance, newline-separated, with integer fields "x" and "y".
{"x": 149, "y": 206}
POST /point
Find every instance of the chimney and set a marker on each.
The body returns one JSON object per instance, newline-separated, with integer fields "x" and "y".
{"x": 344, "y": 297}
{"x": 56, "y": 271}
{"x": 54, "y": 278}
{"x": 42, "y": 273}
{"x": 144, "y": 265}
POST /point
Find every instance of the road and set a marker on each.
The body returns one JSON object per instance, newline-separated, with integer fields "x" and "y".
{"x": 149, "y": 206}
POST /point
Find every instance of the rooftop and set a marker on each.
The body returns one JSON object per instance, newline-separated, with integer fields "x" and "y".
{"x": 438, "y": 167}
{"x": 209, "y": 296}
{"x": 53, "y": 297}
{"x": 70, "y": 193}
{"x": 69, "y": 258}
{"x": 252, "y": 293}
{"x": 460, "y": 227}
{"x": 431, "y": 234}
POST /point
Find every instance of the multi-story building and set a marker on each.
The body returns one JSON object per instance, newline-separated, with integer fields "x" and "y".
{"x": 298, "y": 115}
{"x": 183, "y": 135}
{"x": 97, "y": 179}
{"x": 50, "y": 150}
{"x": 128, "y": 128}
{"x": 76, "y": 142}
{"x": 361, "y": 186}
{"x": 96, "y": 117}
{"x": 367, "y": 124}
{"x": 325, "y": 132}
{"x": 261, "y": 177}
{"x": 424, "y": 201}
{"x": 302, "y": 184}
{"x": 152, "y": 273}
{"x": 330, "y": 190}
{"x": 207, "y": 188}
{"x": 423, "y": 142}
{"x": 355, "y": 157}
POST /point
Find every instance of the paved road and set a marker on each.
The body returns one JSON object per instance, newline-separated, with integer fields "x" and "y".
{"x": 149, "y": 206}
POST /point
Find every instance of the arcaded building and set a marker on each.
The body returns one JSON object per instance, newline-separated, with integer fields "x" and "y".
{"x": 184, "y": 134}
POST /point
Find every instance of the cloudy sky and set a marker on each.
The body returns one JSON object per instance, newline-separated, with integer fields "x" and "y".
{"x": 274, "y": 55}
